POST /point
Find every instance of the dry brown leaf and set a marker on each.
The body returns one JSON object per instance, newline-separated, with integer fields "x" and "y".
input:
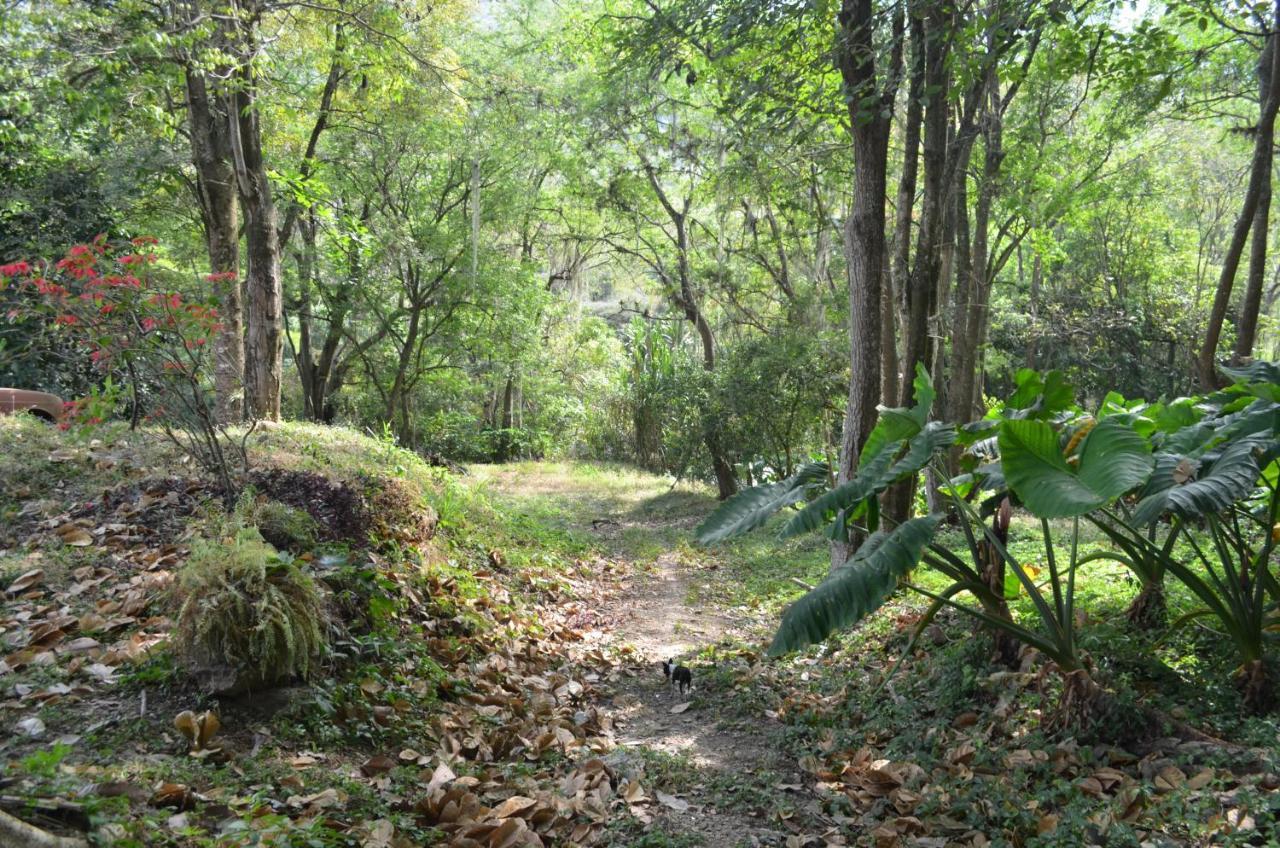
{"x": 1168, "y": 779}
{"x": 25, "y": 581}
{"x": 513, "y": 806}
{"x": 679, "y": 708}
{"x": 75, "y": 536}
{"x": 175, "y": 795}
{"x": 442, "y": 775}
{"x": 379, "y": 764}
{"x": 1201, "y": 779}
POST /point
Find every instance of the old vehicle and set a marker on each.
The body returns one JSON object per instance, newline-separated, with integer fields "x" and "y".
{"x": 41, "y": 404}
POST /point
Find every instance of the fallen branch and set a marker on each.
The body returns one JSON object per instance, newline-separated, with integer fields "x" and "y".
{"x": 17, "y": 832}
{"x": 808, "y": 587}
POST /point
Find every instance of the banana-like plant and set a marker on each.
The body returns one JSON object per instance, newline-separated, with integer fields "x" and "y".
{"x": 1097, "y": 465}
{"x": 1216, "y": 483}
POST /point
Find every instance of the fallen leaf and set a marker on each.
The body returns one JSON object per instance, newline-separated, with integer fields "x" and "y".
{"x": 26, "y": 581}
{"x": 75, "y": 536}
{"x": 32, "y": 726}
{"x": 379, "y": 764}
{"x": 677, "y": 804}
{"x": 679, "y": 708}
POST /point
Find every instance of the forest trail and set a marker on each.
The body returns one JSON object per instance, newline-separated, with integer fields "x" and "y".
{"x": 716, "y": 770}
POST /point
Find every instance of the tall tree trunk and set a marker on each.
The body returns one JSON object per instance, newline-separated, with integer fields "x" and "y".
{"x": 1259, "y": 177}
{"x": 1247, "y": 329}
{"x": 922, "y": 289}
{"x": 208, "y": 122}
{"x": 504, "y": 441}
{"x": 888, "y": 341}
{"x": 870, "y": 115}
{"x": 264, "y": 316}
{"x": 686, "y": 298}
{"x": 969, "y": 333}
{"x": 900, "y": 281}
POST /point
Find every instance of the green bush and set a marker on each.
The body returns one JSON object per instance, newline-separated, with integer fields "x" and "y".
{"x": 248, "y": 617}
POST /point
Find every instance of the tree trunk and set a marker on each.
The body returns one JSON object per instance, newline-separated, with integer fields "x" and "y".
{"x": 1033, "y": 336}
{"x": 971, "y": 323}
{"x": 900, "y": 281}
{"x": 1247, "y": 329}
{"x": 1259, "y": 176}
{"x": 685, "y": 297}
{"x": 504, "y": 441}
{"x": 922, "y": 289}
{"x": 888, "y": 342}
{"x": 870, "y": 114}
{"x": 208, "y": 122}
{"x": 264, "y": 316}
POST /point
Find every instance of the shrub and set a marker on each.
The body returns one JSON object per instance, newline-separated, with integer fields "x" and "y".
{"x": 115, "y": 309}
{"x": 248, "y": 617}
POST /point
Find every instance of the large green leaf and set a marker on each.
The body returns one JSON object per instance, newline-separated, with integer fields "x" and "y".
{"x": 1173, "y": 488}
{"x": 751, "y": 508}
{"x": 898, "y": 423}
{"x": 856, "y": 589}
{"x": 1113, "y": 460}
{"x": 1039, "y": 396}
{"x": 934, "y": 437}
{"x": 867, "y": 481}
{"x": 1258, "y": 371}
{"x": 871, "y": 479}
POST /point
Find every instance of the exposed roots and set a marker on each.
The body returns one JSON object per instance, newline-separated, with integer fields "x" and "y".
{"x": 1150, "y": 609}
{"x": 1257, "y": 687}
{"x": 1084, "y": 708}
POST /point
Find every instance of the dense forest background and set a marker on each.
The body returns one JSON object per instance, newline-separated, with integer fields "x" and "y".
{"x": 649, "y": 230}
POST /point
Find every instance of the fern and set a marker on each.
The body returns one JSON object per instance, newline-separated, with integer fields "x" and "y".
{"x": 242, "y": 605}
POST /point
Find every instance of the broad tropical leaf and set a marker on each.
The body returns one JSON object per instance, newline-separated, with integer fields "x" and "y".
{"x": 1174, "y": 488}
{"x": 934, "y": 437}
{"x": 751, "y": 508}
{"x": 1113, "y": 460}
{"x": 856, "y": 589}
{"x": 1258, "y": 371}
{"x": 1039, "y": 396}
{"x": 869, "y": 480}
{"x": 896, "y": 424}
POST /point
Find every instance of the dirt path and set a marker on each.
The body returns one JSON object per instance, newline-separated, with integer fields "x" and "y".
{"x": 717, "y": 767}
{"x": 733, "y": 771}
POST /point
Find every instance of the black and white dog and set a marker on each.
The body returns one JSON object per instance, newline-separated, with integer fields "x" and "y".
{"x": 677, "y": 676}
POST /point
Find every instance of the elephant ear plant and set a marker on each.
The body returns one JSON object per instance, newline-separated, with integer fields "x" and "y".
{"x": 1216, "y": 488}
{"x": 1058, "y": 471}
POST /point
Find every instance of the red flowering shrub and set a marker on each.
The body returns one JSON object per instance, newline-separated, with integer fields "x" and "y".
{"x": 116, "y": 306}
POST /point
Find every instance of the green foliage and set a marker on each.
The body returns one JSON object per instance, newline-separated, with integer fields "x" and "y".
{"x": 242, "y": 604}
{"x": 857, "y": 588}
{"x": 752, "y": 508}
{"x": 282, "y": 526}
{"x": 1112, "y": 460}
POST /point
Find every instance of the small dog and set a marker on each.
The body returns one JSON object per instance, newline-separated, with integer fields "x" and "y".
{"x": 677, "y": 676}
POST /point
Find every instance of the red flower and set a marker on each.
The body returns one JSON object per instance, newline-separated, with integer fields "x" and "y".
{"x": 66, "y": 320}
{"x": 223, "y": 277}
{"x": 141, "y": 240}
{"x": 13, "y": 269}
